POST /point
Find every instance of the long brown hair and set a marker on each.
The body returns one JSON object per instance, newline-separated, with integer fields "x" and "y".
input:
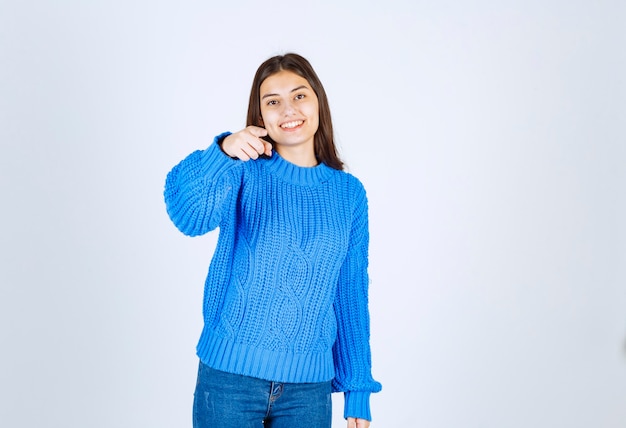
{"x": 324, "y": 142}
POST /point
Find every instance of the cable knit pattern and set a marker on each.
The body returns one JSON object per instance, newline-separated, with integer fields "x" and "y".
{"x": 285, "y": 298}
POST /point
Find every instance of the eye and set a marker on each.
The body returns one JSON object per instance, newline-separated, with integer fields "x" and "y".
{"x": 272, "y": 103}
{"x": 299, "y": 96}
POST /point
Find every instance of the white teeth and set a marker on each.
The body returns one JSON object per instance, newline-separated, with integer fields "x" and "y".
{"x": 291, "y": 124}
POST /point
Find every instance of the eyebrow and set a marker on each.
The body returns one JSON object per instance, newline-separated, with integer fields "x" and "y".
{"x": 293, "y": 90}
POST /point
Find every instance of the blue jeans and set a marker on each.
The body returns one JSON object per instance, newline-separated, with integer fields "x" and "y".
{"x": 225, "y": 400}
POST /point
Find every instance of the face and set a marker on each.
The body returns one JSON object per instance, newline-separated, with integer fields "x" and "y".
{"x": 290, "y": 110}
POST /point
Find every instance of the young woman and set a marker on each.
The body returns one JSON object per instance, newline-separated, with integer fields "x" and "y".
{"x": 285, "y": 309}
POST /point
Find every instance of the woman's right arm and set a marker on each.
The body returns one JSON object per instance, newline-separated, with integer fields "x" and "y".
{"x": 200, "y": 187}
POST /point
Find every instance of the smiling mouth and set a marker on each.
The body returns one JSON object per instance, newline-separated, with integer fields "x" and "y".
{"x": 291, "y": 125}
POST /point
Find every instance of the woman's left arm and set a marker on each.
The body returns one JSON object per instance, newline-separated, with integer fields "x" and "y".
{"x": 351, "y": 351}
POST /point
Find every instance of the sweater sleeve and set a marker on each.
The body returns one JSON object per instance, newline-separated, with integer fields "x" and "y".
{"x": 198, "y": 189}
{"x": 351, "y": 350}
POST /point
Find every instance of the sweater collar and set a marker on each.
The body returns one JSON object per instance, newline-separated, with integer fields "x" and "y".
{"x": 294, "y": 174}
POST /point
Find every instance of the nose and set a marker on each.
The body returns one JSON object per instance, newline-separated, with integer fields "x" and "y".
{"x": 288, "y": 108}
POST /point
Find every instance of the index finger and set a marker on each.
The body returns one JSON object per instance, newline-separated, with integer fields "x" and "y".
{"x": 257, "y": 131}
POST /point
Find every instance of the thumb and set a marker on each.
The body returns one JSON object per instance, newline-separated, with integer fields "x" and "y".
{"x": 268, "y": 147}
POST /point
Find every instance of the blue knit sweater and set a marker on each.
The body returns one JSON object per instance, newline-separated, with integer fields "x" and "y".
{"x": 285, "y": 298}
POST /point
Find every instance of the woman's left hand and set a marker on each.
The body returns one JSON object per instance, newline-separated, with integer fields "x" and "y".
{"x": 358, "y": 423}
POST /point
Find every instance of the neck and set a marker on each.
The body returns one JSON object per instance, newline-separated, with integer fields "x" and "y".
{"x": 297, "y": 155}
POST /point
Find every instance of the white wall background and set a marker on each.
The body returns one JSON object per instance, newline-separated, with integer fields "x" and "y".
{"x": 491, "y": 138}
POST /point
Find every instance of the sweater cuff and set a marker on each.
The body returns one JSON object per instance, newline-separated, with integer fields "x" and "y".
{"x": 357, "y": 405}
{"x": 214, "y": 159}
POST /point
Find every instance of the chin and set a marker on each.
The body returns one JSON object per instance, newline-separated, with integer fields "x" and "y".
{"x": 287, "y": 141}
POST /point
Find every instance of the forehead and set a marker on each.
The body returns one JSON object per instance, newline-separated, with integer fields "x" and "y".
{"x": 283, "y": 81}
